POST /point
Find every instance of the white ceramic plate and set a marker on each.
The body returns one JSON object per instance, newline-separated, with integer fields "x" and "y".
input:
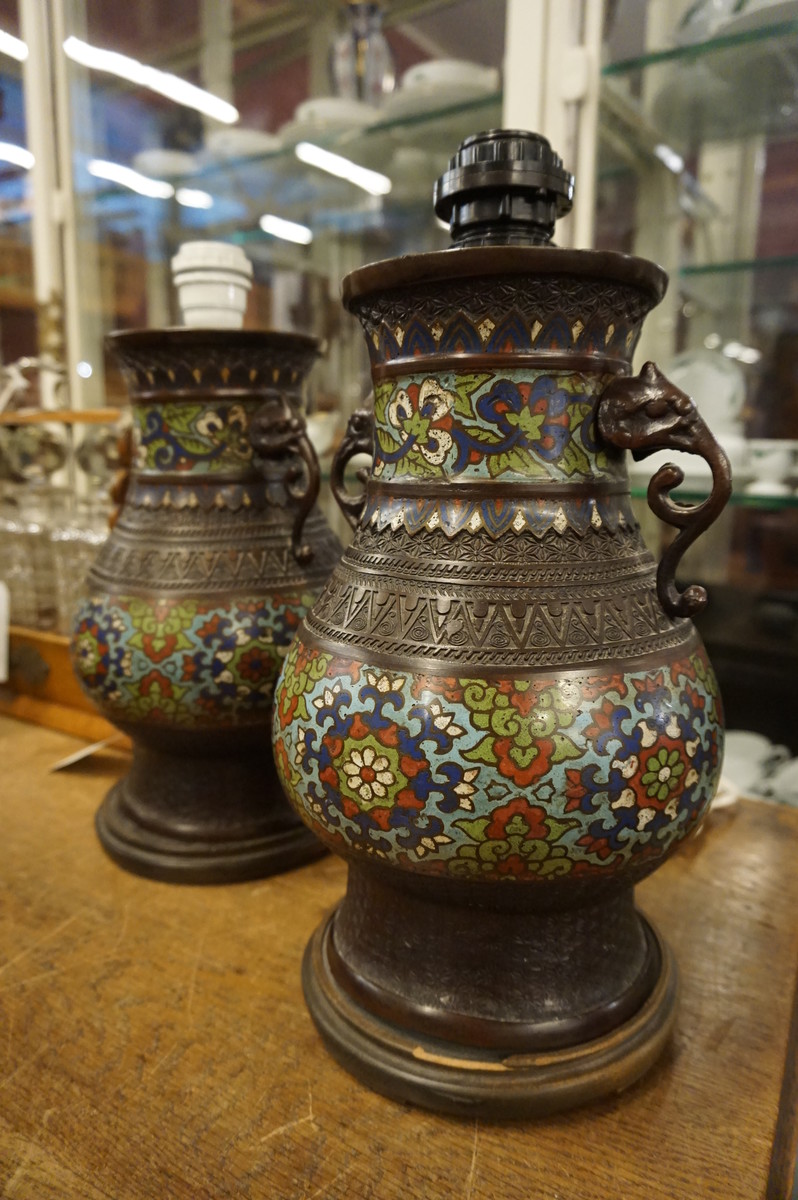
{"x": 226, "y": 144}
{"x": 327, "y": 116}
{"x": 716, "y": 384}
{"x": 450, "y": 72}
{"x": 417, "y": 100}
{"x": 158, "y": 163}
{"x": 335, "y": 110}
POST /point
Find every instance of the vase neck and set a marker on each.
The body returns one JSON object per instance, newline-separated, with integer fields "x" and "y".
{"x": 204, "y": 435}
{"x": 506, "y": 424}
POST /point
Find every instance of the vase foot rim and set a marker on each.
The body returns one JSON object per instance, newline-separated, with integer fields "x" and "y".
{"x": 176, "y": 859}
{"x": 466, "y": 1081}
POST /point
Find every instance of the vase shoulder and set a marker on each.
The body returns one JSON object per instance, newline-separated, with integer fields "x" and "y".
{"x": 220, "y": 551}
{"x": 510, "y": 602}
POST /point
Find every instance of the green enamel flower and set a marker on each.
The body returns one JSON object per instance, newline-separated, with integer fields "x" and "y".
{"x": 662, "y": 773}
{"x": 369, "y": 773}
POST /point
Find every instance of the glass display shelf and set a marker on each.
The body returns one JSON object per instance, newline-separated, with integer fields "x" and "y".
{"x": 771, "y": 273}
{"x": 717, "y": 44}
{"x": 734, "y": 85}
{"x": 753, "y": 298}
{"x": 236, "y": 191}
{"x": 739, "y": 499}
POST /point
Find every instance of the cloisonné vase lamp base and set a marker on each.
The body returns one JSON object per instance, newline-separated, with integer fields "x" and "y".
{"x": 218, "y": 550}
{"x": 498, "y": 710}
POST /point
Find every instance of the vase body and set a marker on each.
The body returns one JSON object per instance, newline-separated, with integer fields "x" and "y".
{"x": 488, "y": 711}
{"x": 193, "y": 601}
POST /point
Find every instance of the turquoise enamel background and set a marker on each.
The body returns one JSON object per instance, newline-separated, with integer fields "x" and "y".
{"x": 514, "y": 423}
{"x": 185, "y": 661}
{"x": 488, "y": 778}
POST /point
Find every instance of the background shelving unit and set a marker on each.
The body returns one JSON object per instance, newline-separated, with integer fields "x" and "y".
{"x": 695, "y": 149}
{"x": 698, "y": 168}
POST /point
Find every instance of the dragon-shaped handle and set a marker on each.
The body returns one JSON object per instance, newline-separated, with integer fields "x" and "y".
{"x": 358, "y": 439}
{"x": 645, "y": 413}
{"x": 121, "y": 480}
{"x": 279, "y": 432}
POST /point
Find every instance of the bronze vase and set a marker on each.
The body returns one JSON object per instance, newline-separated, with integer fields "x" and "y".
{"x": 217, "y": 553}
{"x": 498, "y": 710}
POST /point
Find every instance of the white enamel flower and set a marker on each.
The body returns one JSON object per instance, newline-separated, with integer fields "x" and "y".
{"x": 301, "y": 747}
{"x": 400, "y": 409}
{"x": 439, "y": 444}
{"x": 209, "y": 423}
{"x": 465, "y": 789}
{"x": 648, "y": 736}
{"x": 385, "y": 683}
{"x": 368, "y": 774}
{"x": 442, "y": 719}
{"x": 431, "y": 845}
{"x": 328, "y": 697}
{"x": 627, "y": 768}
{"x": 672, "y": 728}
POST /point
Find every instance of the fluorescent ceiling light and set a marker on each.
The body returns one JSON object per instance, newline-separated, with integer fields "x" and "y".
{"x": 667, "y": 155}
{"x": 161, "y": 82}
{"x": 157, "y": 189}
{"x": 17, "y": 155}
{"x": 344, "y": 168}
{"x": 193, "y": 198}
{"x": 289, "y": 231}
{"x": 14, "y": 47}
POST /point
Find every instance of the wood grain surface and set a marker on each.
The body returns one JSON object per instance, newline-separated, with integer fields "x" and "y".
{"x": 154, "y": 1042}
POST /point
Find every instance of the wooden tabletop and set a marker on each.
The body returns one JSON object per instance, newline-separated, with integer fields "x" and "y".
{"x": 154, "y": 1043}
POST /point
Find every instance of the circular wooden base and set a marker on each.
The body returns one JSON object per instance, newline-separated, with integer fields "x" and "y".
{"x": 190, "y": 859}
{"x": 465, "y": 1081}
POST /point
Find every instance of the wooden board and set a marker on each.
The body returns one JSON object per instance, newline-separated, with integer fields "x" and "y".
{"x": 44, "y": 689}
{"x": 60, "y": 416}
{"x": 154, "y": 1044}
